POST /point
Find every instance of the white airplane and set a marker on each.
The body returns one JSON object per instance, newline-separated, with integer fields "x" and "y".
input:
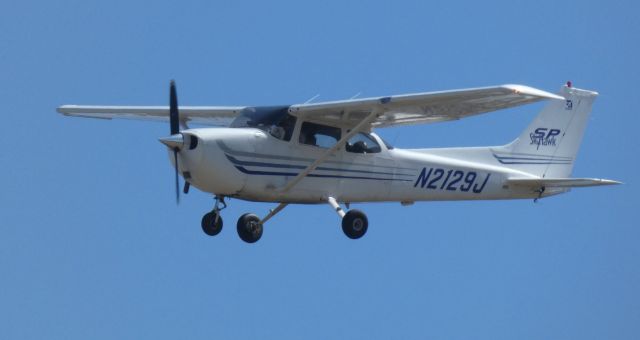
{"x": 326, "y": 152}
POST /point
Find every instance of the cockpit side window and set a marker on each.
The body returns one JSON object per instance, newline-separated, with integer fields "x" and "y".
{"x": 362, "y": 143}
{"x": 319, "y": 135}
{"x": 283, "y": 129}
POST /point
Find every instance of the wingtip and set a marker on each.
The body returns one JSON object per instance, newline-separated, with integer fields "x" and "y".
{"x": 527, "y": 90}
{"x": 602, "y": 181}
{"x": 61, "y": 109}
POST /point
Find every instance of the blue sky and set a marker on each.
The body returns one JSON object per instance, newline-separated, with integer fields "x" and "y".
{"x": 93, "y": 246}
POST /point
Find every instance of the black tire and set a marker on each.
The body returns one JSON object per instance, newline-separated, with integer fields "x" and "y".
{"x": 355, "y": 224}
{"x": 249, "y": 228}
{"x": 210, "y": 225}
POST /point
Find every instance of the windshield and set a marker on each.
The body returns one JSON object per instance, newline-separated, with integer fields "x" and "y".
{"x": 362, "y": 143}
{"x": 389, "y": 146}
{"x": 275, "y": 120}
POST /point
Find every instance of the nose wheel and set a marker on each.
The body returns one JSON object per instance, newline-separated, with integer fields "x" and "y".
{"x": 212, "y": 221}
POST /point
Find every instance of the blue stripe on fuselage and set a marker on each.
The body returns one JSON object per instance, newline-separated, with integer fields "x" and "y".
{"x": 271, "y": 173}
{"x": 293, "y": 166}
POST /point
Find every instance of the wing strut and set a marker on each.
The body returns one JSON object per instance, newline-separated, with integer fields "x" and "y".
{"x": 365, "y": 122}
{"x": 273, "y": 212}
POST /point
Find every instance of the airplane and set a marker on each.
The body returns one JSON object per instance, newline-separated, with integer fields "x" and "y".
{"x": 326, "y": 152}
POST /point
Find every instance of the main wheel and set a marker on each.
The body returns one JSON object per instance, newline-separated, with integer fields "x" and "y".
{"x": 249, "y": 228}
{"x": 210, "y": 224}
{"x": 355, "y": 224}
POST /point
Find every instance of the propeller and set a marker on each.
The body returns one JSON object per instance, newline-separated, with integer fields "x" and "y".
{"x": 174, "y": 121}
{"x": 175, "y": 140}
{"x": 174, "y": 116}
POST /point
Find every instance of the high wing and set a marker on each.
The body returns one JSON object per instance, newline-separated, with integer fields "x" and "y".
{"x": 207, "y": 115}
{"x": 421, "y": 108}
{"x": 418, "y": 108}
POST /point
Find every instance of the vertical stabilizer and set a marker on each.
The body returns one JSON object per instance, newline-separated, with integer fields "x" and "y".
{"x": 548, "y": 147}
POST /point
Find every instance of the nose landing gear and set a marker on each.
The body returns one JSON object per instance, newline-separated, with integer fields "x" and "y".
{"x": 212, "y": 221}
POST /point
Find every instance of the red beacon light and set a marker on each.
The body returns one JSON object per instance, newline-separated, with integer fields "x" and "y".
{"x": 569, "y": 84}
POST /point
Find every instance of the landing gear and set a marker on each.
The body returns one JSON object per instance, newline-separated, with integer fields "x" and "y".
{"x": 249, "y": 225}
{"x": 355, "y": 224}
{"x": 212, "y": 221}
{"x": 249, "y": 228}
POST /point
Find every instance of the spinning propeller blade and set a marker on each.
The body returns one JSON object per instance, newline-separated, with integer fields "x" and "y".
{"x": 174, "y": 122}
{"x": 174, "y": 116}
{"x": 175, "y": 157}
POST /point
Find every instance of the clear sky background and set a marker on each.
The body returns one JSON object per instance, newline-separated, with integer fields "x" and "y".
{"x": 92, "y": 245}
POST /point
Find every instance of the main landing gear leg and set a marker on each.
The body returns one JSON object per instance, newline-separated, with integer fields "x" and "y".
{"x": 211, "y": 221}
{"x": 354, "y": 222}
{"x": 540, "y": 192}
{"x": 250, "y": 226}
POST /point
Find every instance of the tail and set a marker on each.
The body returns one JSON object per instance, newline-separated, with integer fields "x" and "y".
{"x": 548, "y": 147}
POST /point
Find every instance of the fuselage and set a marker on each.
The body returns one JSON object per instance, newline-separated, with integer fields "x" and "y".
{"x": 252, "y": 164}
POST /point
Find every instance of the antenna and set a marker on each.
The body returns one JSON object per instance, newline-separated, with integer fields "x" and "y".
{"x": 356, "y": 95}
{"x": 312, "y": 98}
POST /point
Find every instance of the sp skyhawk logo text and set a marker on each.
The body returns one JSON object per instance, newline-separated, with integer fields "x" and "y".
{"x": 544, "y": 137}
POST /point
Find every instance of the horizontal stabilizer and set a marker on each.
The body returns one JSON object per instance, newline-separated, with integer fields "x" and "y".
{"x": 560, "y": 182}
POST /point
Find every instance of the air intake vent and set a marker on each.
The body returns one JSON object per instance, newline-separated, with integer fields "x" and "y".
{"x": 193, "y": 142}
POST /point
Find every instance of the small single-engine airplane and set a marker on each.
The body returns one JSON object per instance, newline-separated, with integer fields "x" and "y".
{"x": 327, "y": 153}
